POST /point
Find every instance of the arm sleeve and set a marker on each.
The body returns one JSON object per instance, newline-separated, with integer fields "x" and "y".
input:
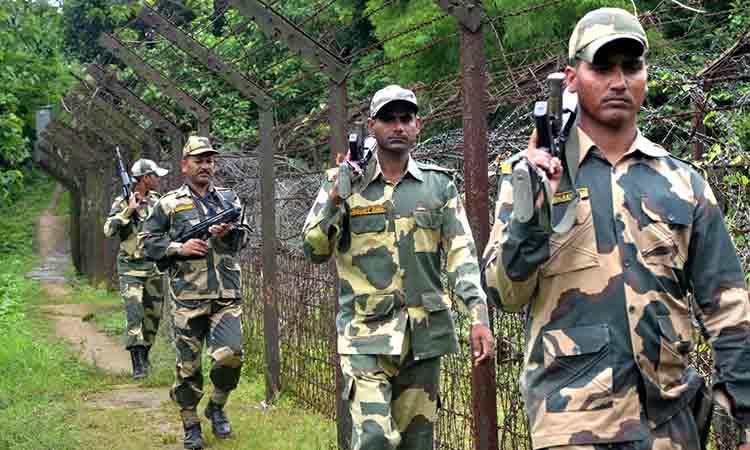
{"x": 155, "y": 235}
{"x": 718, "y": 285}
{"x": 235, "y": 239}
{"x": 118, "y": 220}
{"x": 462, "y": 261}
{"x": 514, "y": 253}
{"x": 323, "y": 225}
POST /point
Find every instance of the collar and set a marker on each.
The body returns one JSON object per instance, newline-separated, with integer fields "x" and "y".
{"x": 374, "y": 171}
{"x": 640, "y": 144}
{"x": 185, "y": 189}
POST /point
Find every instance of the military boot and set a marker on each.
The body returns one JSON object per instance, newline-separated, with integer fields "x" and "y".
{"x": 146, "y": 362}
{"x": 193, "y": 437}
{"x": 220, "y": 425}
{"x": 136, "y": 358}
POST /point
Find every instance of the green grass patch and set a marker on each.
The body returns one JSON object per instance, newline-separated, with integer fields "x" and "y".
{"x": 38, "y": 378}
{"x": 63, "y": 204}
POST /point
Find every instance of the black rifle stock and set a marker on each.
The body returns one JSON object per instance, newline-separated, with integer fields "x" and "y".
{"x": 127, "y": 181}
{"x": 200, "y": 231}
{"x": 529, "y": 180}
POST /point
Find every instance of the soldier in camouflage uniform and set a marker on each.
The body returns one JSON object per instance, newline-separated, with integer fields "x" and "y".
{"x": 140, "y": 283}
{"x": 395, "y": 319}
{"x": 608, "y": 309}
{"x": 205, "y": 285}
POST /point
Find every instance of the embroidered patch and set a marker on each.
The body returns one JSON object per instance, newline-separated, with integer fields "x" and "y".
{"x": 563, "y": 197}
{"x": 368, "y": 210}
{"x": 184, "y": 207}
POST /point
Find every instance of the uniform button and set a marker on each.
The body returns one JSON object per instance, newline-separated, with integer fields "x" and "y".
{"x": 626, "y": 263}
{"x": 618, "y": 216}
{"x": 631, "y": 309}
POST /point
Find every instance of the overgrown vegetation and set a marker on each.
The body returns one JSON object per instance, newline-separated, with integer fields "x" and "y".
{"x": 38, "y": 378}
{"x": 33, "y": 74}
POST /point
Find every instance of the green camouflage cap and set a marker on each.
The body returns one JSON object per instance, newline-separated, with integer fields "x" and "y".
{"x": 146, "y": 166}
{"x": 602, "y": 26}
{"x": 390, "y": 94}
{"x": 197, "y": 145}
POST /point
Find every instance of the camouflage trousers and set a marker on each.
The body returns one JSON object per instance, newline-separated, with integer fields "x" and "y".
{"x": 143, "y": 298}
{"x": 219, "y": 324}
{"x": 393, "y": 400}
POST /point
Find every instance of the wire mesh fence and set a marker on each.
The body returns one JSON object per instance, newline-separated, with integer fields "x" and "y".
{"x": 306, "y": 294}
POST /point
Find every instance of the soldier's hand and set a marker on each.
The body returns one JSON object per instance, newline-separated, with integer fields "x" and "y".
{"x": 551, "y": 166}
{"x": 135, "y": 201}
{"x": 482, "y": 343}
{"x": 334, "y": 195}
{"x": 220, "y": 230}
{"x": 194, "y": 247}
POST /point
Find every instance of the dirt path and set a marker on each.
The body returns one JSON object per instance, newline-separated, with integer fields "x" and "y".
{"x": 71, "y": 323}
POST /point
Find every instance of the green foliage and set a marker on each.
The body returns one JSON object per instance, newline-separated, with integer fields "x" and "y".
{"x": 32, "y": 74}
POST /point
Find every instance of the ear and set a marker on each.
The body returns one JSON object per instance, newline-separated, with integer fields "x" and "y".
{"x": 370, "y": 125}
{"x": 571, "y": 78}
{"x": 418, "y": 123}
{"x": 183, "y": 166}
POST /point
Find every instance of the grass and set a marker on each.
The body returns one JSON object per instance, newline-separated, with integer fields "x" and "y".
{"x": 45, "y": 390}
{"x": 63, "y": 205}
{"x": 30, "y": 398}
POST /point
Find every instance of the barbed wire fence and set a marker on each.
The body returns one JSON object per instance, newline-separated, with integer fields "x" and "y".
{"x": 304, "y": 295}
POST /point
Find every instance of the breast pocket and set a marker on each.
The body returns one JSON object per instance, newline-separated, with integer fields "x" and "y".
{"x": 183, "y": 220}
{"x": 366, "y": 232}
{"x": 577, "y": 369}
{"x": 427, "y": 230}
{"x": 663, "y": 238}
{"x": 575, "y": 249}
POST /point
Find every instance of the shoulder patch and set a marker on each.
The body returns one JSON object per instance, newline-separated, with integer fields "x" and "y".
{"x": 184, "y": 207}
{"x": 428, "y": 166}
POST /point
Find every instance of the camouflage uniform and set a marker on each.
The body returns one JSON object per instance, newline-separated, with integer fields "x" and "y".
{"x": 609, "y": 318}
{"x": 395, "y": 319}
{"x": 141, "y": 285}
{"x": 207, "y": 295}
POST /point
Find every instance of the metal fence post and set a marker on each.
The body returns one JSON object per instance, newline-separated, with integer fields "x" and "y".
{"x": 268, "y": 221}
{"x": 338, "y": 121}
{"x": 474, "y": 89}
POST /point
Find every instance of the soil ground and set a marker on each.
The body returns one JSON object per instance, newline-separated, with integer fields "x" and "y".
{"x": 71, "y": 322}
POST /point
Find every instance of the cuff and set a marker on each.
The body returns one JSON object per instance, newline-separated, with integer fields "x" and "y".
{"x": 174, "y": 249}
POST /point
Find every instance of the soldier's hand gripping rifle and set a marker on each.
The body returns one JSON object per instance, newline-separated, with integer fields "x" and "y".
{"x": 360, "y": 153}
{"x": 126, "y": 180}
{"x": 200, "y": 230}
{"x": 528, "y": 179}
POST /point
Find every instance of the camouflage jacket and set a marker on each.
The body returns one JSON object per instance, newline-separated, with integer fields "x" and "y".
{"x": 388, "y": 241}
{"x": 130, "y": 258}
{"x": 215, "y": 276}
{"x": 608, "y": 314}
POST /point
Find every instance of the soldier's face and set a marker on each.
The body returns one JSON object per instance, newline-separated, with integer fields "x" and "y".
{"x": 152, "y": 182}
{"x": 610, "y": 90}
{"x": 396, "y": 127}
{"x": 199, "y": 169}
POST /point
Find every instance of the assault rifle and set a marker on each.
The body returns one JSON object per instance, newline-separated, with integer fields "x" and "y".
{"x": 360, "y": 152}
{"x": 553, "y": 128}
{"x": 127, "y": 182}
{"x": 200, "y": 230}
